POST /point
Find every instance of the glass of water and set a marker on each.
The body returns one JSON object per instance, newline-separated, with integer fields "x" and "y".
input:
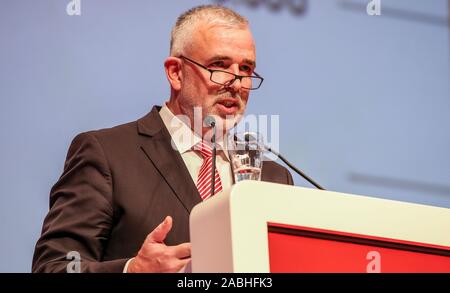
{"x": 246, "y": 155}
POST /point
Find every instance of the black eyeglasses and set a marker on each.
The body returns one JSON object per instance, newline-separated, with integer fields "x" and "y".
{"x": 249, "y": 82}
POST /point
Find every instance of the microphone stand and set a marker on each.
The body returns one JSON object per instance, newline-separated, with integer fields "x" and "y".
{"x": 299, "y": 172}
{"x": 214, "y": 149}
{"x": 247, "y": 138}
{"x": 209, "y": 121}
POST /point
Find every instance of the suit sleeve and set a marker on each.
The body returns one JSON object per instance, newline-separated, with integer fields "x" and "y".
{"x": 80, "y": 218}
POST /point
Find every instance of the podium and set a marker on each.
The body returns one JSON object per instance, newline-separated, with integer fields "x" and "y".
{"x": 265, "y": 227}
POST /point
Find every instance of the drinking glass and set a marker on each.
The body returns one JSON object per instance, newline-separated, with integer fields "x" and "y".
{"x": 246, "y": 155}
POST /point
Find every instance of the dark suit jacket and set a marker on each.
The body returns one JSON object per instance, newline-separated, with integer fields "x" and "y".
{"x": 118, "y": 184}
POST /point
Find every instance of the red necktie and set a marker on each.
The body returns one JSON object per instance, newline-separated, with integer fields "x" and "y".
{"x": 204, "y": 176}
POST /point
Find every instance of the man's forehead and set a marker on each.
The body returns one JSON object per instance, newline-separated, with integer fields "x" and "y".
{"x": 224, "y": 43}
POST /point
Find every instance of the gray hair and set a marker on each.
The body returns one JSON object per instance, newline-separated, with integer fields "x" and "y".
{"x": 210, "y": 14}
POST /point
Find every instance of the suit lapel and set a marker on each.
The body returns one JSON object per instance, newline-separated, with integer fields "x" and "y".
{"x": 158, "y": 148}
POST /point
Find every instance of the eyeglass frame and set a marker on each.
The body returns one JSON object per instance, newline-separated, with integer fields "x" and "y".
{"x": 229, "y": 83}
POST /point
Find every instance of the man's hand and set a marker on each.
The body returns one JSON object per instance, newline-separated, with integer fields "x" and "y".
{"x": 156, "y": 257}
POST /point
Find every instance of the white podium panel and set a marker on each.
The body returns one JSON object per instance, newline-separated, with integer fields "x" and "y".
{"x": 230, "y": 231}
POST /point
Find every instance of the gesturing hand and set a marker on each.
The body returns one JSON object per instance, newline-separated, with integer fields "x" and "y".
{"x": 156, "y": 257}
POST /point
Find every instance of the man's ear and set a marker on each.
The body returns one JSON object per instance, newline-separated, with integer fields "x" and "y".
{"x": 174, "y": 75}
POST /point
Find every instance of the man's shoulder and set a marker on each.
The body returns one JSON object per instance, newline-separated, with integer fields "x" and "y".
{"x": 114, "y": 132}
{"x": 122, "y": 133}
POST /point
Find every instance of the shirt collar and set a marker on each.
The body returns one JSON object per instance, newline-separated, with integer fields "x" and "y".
{"x": 183, "y": 138}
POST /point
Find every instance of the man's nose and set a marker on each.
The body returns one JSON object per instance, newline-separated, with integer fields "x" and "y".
{"x": 234, "y": 84}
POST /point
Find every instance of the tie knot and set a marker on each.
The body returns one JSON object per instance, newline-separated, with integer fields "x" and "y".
{"x": 204, "y": 148}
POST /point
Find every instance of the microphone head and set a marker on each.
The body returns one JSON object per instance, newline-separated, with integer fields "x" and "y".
{"x": 209, "y": 121}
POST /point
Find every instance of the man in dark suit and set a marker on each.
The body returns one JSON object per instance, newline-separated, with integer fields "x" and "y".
{"x": 124, "y": 198}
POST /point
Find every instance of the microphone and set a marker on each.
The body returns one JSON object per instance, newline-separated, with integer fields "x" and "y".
{"x": 248, "y": 136}
{"x": 211, "y": 122}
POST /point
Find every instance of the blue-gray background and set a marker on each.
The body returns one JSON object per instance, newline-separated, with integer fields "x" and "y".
{"x": 363, "y": 100}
